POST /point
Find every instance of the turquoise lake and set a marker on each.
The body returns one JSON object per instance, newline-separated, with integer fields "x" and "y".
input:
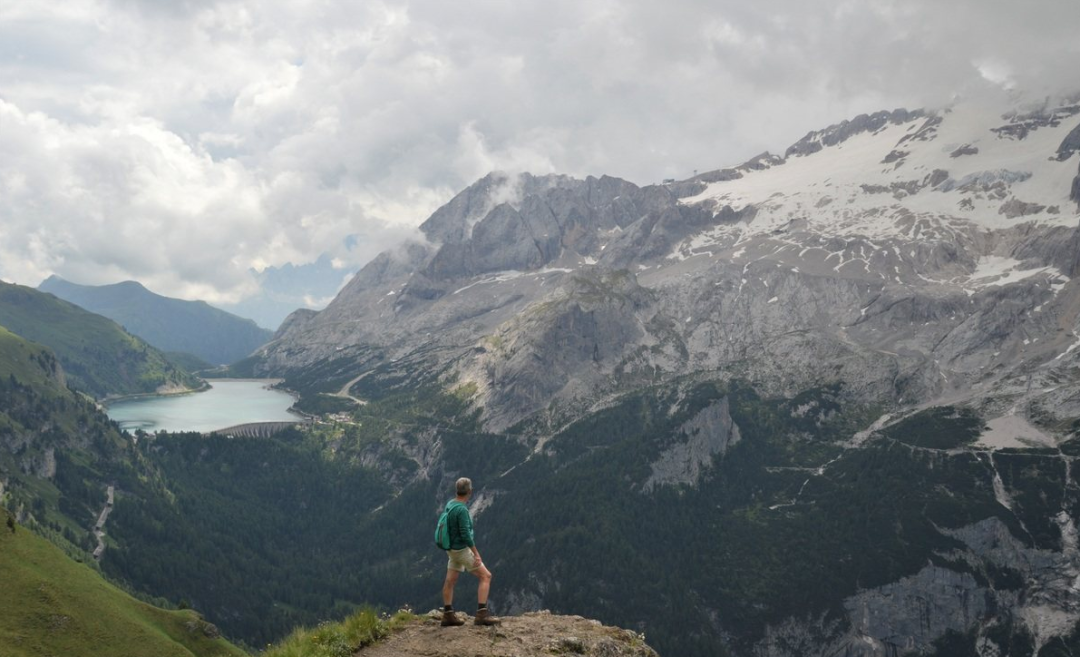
{"x": 226, "y": 404}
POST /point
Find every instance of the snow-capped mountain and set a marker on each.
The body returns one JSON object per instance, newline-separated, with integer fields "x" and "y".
{"x": 923, "y": 255}
{"x": 879, "y": 269}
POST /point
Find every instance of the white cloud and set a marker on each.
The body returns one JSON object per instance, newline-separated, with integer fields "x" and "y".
{"x": 184, "y": 143}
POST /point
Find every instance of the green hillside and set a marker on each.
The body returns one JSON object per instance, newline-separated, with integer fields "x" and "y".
{"x": 58, "y": 452}
{"x": 51, "y": 605}
{"x": 192, "y": 327}
{"x": 30, "y": 363}
{"x": 97, "y": 355}
{"x": 187, "y": 362}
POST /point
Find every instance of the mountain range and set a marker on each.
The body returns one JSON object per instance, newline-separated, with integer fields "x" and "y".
{"x": 936, "y": 245}
{"x": 894, "y": 296}
{"x": 172, "y": 325}
{"x": 98, "y": 356}
{"x": 823, "y": 402}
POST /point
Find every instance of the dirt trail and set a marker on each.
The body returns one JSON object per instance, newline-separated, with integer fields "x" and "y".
{"x": 536, "y": 633}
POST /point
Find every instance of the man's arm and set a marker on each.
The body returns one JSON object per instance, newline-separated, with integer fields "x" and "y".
{"x": 467, "y": 533}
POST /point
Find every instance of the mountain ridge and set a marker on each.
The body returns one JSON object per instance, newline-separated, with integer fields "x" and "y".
{"x": 660, "y": 231}
{"x": 98, "y": 356}
{"x": 194, "y": 327}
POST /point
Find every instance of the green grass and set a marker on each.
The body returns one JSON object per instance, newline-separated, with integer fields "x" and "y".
{"x": 30, "y": 363}
{"x": 339, "y": 639}
{"x": 51, "y": 605}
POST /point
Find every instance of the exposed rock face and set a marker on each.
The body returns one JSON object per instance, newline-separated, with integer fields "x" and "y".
{"x": 1014, "y": 208}
{"x": 985, "y": 180}
{"x": 966, "y": 149}
{"x": 841, "y": 132}
{"x": 541, "y": 218}
{"x": 453, "y": 222}
{"x": 504, "y": 239}
{"x": 1021, "y": 124}
{"x": 909, "y": 615}
{"x": 1075, "y": 194}
{"x": 1048, "y": 603}
{"x": 297, "y": 320}
{"x": 708, "y": 433}
{"x": 564, "y": 347}
{"x": 1070, "y": 145}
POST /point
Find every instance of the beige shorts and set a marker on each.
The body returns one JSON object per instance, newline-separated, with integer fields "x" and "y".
{"x": 461, "y": 560}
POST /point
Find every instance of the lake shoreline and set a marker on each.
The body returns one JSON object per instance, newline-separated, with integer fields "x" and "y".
{"x": 223, "y": 403}
{"x": 106, "y": 401}
{"x": 207, "y": 385}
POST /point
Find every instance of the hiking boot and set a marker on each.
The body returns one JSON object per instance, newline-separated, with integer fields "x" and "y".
{"x": 484, "y": 617}
{"x": 450, "y": 619}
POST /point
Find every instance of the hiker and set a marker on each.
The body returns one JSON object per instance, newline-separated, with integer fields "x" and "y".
{"x": 463, "y": 556}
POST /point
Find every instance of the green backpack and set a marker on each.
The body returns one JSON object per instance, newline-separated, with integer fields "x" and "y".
{"x": 442, "y": 530}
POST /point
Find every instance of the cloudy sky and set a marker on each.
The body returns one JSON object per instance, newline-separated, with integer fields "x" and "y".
{"x": 181, "y": 143}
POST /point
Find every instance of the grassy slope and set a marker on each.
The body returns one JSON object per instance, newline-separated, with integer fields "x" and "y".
{"x": 23, "y": 360}
{"x": 361, "y": 629}
{"x": 98, "y": 356}
{"x": 187, "y": 362}
{"x": 50, "y": 605}
{"x": 194, "y": 327}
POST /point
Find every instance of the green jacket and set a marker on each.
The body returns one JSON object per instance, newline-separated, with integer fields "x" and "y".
{"x": 459, "y": 522}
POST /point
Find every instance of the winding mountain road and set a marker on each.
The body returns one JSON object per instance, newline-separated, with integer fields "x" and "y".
{"x": 99, "y": 526}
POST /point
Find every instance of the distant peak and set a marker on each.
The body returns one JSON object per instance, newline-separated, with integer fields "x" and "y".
{"x": 134, "y": 285}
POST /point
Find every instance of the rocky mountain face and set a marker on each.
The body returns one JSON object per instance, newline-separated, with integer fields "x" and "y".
{"x": 922, "y": 254}
{"x": 904, "y": 260}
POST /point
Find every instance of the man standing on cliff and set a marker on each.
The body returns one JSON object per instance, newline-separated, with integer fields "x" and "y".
{"x": 463, "y": 556}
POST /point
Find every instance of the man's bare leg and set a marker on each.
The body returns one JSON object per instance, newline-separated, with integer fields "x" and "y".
{"x": 484, "y": 575}
{"x": 448, "y": 587}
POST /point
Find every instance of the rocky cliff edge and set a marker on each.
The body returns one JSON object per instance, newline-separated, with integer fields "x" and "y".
{"x": 536, "y": 633}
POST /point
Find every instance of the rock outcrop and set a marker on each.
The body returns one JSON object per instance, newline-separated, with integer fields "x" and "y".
{"x": 536, "y": 634}
{"x": 841, "y": 132}
{"x": 707, "y": 434}
{"x": 1070, "y": 145}
{"x": 1074, "y": 195}
{"x": 994, "y": 580}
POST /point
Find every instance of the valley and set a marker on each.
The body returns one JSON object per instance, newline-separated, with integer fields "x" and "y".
{"x": 754, "y": 326}
{"x": 820, "y": 403}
